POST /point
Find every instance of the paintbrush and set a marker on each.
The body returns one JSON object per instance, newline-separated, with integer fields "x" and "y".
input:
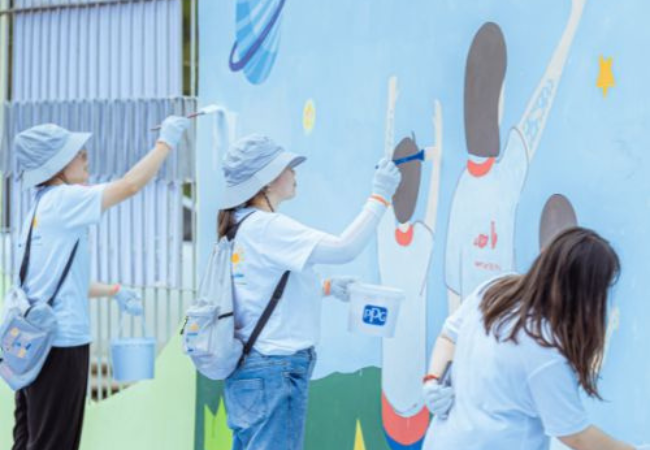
{"x": 210, "y": 109}
{"x": 419, "y": 156}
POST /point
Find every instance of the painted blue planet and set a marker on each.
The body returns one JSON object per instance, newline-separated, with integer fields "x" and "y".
{"x": 257, "y": 38}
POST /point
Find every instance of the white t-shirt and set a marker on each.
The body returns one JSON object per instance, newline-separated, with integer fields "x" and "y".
{"x": 481, "y": 233}
{"x": 267, "y": 245}
{"x": 507, "y": 396}
{"x": 64, "y": 214}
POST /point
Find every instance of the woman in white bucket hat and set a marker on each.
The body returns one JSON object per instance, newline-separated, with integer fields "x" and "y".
{"x": 49, "y": 411}
{"x": 266, "y": 396}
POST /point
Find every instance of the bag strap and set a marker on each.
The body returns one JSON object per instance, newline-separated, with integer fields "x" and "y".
{"x": 275, "y": 298}
{"x": 65, "y": 273}
{"x": 24, "y": 266}
{"x": 234, "y": 228}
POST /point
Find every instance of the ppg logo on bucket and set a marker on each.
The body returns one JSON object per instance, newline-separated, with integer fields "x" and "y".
{"x": 375, "y": 315}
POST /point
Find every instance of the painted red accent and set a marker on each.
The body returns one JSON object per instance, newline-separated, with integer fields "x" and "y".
{"x": 480, "y": 169}
{"x": 494, "y": 237}
{"x": 404, "y": 430}
{"x": 481, "y": 241}
{"x": 404, "y": 238}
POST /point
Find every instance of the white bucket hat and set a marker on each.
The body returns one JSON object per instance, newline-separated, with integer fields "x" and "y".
{"x": 44, "y": 150}
{"x": 250, "y": 164}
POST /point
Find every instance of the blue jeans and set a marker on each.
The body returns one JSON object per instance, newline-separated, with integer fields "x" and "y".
{"x": 266, "y": 401}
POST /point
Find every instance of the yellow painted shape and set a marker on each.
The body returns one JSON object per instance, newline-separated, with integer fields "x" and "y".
{"x": 237, "y": 257}
{"x": 216, "y": 434}
{"x": 22, "y": 352}
{"x": 309, "y": 116}
{"x": 359, "y": 444}
{"x": 606, "y": 76}
{"x": 14, "y": 332}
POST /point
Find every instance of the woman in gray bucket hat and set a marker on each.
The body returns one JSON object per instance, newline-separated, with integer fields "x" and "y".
{"x": 49, "y": 411}
{"x": 266, "y": 396}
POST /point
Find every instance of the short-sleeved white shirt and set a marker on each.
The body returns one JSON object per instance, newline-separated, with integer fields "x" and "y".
{"x": 64, "y": 215}
{"x": 481, "y": 232}
{"x": 508, "y": 396}
{"x": 267, "y": 245}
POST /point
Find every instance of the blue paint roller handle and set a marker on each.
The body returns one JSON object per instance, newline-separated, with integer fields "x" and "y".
{"x": 419, "y": 156}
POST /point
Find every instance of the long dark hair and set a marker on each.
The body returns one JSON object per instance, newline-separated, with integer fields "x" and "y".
{"x": 566, "y": 290}
{"x": 226, "y": 217}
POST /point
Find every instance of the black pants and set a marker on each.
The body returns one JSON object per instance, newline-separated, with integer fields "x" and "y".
{"x": 49, "y": 412}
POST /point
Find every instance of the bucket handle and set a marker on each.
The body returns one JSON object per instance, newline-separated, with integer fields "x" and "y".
{"x": 120, "y": 331}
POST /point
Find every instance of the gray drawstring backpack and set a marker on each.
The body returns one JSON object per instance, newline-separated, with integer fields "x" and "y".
{"x": 209, "y": 329}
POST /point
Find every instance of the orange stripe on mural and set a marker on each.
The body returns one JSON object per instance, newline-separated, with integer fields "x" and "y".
{"x": 480, "y": 169}
{"x": 404, "y": 430}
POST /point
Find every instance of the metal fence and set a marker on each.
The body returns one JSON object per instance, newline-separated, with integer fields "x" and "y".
{"x": 115, "y": 68}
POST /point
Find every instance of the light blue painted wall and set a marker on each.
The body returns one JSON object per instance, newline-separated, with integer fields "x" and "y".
{"x": 341, "y": 53}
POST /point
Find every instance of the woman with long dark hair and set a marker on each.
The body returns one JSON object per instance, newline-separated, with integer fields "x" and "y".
{"x": 522, "y": 346}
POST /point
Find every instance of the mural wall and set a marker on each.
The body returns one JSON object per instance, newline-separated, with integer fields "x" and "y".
{"x": 519, "y": 118}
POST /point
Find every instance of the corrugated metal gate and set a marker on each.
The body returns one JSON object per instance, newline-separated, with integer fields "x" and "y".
{"x": 115, "y": 68}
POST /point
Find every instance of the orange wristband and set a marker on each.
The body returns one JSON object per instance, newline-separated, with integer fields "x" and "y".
{"x": 327, "y": 287}
{"x": 116, "y": 289}
{"x": 429, "y": 377}
{"x": 380, "y": 199}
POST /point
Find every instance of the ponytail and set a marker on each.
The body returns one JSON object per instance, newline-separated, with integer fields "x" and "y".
{"x": 225, "y": 219}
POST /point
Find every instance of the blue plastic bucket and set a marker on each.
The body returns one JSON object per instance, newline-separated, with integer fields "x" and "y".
{"x": 133, "y": 358}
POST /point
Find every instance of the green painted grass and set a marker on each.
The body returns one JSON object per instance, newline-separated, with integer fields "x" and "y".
{"x": 336, "y": 404}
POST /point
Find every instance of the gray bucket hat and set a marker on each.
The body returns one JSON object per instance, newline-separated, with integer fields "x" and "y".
{"x": 250, "y": 164}
{"x": 44, "y": 150}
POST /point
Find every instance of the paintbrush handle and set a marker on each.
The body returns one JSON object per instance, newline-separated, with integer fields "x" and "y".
{"x": 189, "y": 116}
{"x": 419, "y": 156}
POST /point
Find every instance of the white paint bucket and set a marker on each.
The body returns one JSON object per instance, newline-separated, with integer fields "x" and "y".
{"x": 374, "y": 309}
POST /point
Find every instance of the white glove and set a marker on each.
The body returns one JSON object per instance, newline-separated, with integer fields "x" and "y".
{"x": 386, "y": 180}
{"x": 129, "y": 301}
{"x": 172, "y": 129}
{"x": 438, "y": 398}
{"x": 339, "y": 287}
